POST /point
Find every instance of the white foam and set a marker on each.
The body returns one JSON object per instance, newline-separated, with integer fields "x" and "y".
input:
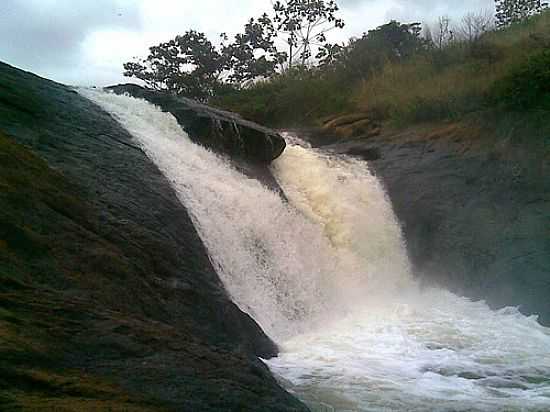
{"x": 277, "y": 265}
{"x": 402, "y": 348}
{"x": 327, "y": 276}
{"x": 429, "y": 350}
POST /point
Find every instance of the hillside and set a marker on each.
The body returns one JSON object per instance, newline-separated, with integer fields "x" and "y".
{"x": 505, "y": 69}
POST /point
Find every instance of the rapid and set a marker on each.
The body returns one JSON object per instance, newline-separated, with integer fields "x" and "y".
{"x": 326, "y": 275}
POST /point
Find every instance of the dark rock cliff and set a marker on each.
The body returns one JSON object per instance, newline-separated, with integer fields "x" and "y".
{"x": 108, "y": 300}
{"x": 474, "y": 202}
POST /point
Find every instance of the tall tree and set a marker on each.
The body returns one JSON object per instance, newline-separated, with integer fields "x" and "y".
{"x": 188, "y": 65}
{"x": 514, "y": 11}
{"x": 304, "y": 24}
{"x": 393, "y": 41}
{"x": 253, "y": 54}
{"x": 330, "y": 55}
{"x": 444, "y": 33}
{"x": 473, "y": 25}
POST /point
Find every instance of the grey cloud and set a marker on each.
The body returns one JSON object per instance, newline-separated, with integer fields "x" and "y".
{"x": 421, "y": 10}
{"x": 352, "y": 3}
{"x": 47, "y": 36}
{"x": 44, "y": 34}
{"x": 427, "y": 10}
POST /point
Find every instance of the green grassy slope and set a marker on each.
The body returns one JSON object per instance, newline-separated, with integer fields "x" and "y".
{"x": 505, "y": 69}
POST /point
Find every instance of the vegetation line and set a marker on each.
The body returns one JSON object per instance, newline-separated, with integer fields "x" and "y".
{"x": 402, "y": 73}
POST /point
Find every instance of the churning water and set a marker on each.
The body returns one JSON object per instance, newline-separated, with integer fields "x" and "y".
{"x": 327, "y": 276}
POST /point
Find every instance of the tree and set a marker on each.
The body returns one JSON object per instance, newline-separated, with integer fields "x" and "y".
{"x": 188, "y": 65}
{"x": 444, "y": 34}
{"x": 393, "y": 41}
{"x": 330, "y": 54}
{"x": 514, "y": 11}
{"x": 400, "y": 41}
{"x": 253, "y": 53}
{"x": 304, "y": 24}
{"x": 473, "y": 25}
{"x": 192, "y": 66}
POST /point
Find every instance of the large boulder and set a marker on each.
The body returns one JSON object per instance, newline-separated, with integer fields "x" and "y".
{"x": 217, "y": 129}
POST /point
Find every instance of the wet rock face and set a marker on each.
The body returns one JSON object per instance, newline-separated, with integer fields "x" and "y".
{"x": 217, "y": 129}
{"x": 474, "y": 210}
{"x": 108, "y": 299}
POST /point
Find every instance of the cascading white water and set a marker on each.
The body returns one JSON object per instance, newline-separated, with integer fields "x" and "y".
{"x": 401, "y": 348}
{"x": 327, "y": 277}
{"x": 277, "y": 264}
{"x": 349, "y": 204}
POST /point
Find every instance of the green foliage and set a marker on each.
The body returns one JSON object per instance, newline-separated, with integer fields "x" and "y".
{"x": 390, "y": 42}
{"x": 515, "y": 11}
{"x": 304, "y": 24}
{"x": 297, "y": 97}
{"x": 328, "y": 88}
{"x": 241, "y": 57}
{"x": 192, "y": 66}
{"x": 408, "y": 81}
{"x": 392, "y": 72}
{"x": 528, "y": 86}
{"x": 463, "y": 77}
{"x": 188, "y": 65}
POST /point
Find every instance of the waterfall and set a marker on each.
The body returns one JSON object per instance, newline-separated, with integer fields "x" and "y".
{"x": 289, "y": 267}
{"x": 326, "y": 275}
{"x": 346, "y": 200}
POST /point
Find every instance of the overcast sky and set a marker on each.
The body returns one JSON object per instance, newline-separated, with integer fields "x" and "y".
{"x": 85, "y": 42}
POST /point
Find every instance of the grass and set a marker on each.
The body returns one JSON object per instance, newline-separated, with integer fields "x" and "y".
{"x": 39, "y": 389}
{"x": 294, "y": 98}
{"x": 499, "y": 70}
{"x": 460, "y": 79}
{"x": 39, "y": 314}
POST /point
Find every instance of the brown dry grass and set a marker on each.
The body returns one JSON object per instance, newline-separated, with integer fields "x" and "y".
{"x": 454, "y": 81}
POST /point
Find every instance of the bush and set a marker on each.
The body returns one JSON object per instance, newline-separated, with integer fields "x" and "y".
{"x": 528, "y": 86}
{"x": 509, "y": 66}
{"x": 296, "y": 98}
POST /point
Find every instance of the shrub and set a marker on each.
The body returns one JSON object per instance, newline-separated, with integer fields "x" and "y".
{"x": 528, "y": 86}
{"x": 296, "y": 98}
{"x": 510, "y": 66}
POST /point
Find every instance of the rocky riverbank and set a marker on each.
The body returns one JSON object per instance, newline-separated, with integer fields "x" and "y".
{"x": 473, "y": 198}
